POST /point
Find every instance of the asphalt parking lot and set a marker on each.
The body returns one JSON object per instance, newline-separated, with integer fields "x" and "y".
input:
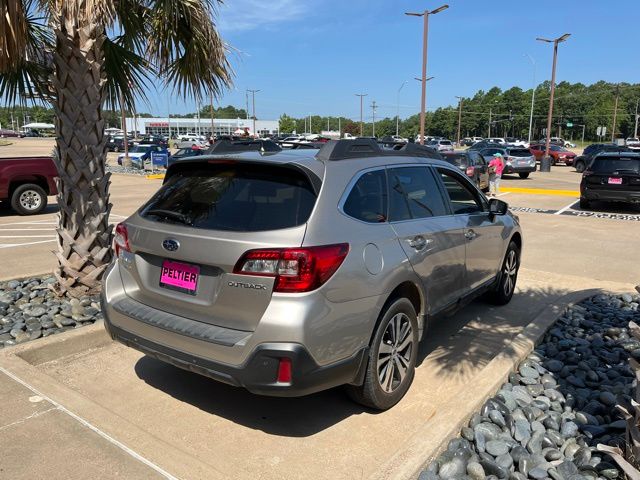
{"x": 138, "y": 418}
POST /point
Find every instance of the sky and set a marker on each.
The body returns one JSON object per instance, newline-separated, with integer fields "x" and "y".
{"x": 312, "y": 57}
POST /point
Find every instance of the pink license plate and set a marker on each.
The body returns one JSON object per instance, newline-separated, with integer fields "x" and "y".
{"x": 615, "y": 181}
{"x": 179, "y": 276}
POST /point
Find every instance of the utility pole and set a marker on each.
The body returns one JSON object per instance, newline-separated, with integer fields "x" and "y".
{"x": 545, "y": 163}
{"x": 398, "y": 112}
{"x": 213, "y": 130}
{"x": 533, "y": 95}
{"x": 339, "y": 128}
{"x": 361, "y": 95}
{"x": 459, "y": 119}
{"x": 373, "y": 110}
{"x": 490, "y": 113}
{"x": 253, "y": 94}
{"x": 635, "y": 129}
{"x": 246, "y": 95}
{"x": 425, "y": 34}
{"x": 615, "y": 114}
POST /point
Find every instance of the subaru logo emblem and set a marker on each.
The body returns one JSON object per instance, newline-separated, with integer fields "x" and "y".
{"x": 170, "y": 245}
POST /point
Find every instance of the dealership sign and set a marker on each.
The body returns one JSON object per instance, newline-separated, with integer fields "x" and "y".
{"x": 158, "y": 124}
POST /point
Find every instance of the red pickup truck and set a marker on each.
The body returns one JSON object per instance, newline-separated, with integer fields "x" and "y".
{"x": 26, "y": 182}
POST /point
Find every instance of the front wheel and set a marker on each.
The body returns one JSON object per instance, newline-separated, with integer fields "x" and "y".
{"x": 392, "y": 358}
{"x": 524, "y": 174}
{"x": 579, "y": 166}
{"x": 28, "y": 199}
{"x": 503, "y": 291}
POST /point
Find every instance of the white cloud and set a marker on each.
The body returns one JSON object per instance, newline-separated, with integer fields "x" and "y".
{"x": 237, "y": 15}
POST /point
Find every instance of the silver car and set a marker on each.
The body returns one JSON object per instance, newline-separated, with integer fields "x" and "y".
{"x": 296, "y": 271}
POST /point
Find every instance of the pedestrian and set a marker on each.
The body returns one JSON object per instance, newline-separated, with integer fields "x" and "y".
{"x": 496, "y": 166}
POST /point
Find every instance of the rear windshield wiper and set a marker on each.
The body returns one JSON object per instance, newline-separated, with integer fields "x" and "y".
{"x": 180, "y": 217}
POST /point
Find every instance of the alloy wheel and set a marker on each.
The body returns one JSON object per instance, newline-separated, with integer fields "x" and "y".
{"x": 510, "y": 272}
{"x": 394, "y": 354}
{"x": 30, "y": 200}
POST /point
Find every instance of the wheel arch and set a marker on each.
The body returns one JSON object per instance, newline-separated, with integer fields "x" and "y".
{"x": 23, "y": 180}
{"x": 410, "y": 290}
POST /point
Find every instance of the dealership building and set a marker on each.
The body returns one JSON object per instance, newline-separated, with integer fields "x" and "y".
{"x": 177, "y": 126}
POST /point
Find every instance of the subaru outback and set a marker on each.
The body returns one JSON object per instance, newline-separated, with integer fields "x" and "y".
{"x": 290, "y": 272}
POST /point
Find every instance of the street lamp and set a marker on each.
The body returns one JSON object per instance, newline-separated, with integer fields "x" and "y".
{"x": 545, "y": 163}
{"x": 361, "y": 95}
{"x": 425, "y": 16}
{"x": 533, "y": 95}
{"x": 398, "y": 113}
{"x": 459, "y": 118}
{"x": 253, "y": 98}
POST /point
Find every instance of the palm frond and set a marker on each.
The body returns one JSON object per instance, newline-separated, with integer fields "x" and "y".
{"x": 133, "y": 21}
{"x": 126, "y": 72}
{"x": 13, "y": 34}
{"x": 186, "y": 47}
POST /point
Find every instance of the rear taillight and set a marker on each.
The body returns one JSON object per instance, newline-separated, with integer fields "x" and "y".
{"x": 121, "y": 239}
{"x": 295, "y": 269}
{"x": 470, "y": 171}
{"x": 284, "y": 370}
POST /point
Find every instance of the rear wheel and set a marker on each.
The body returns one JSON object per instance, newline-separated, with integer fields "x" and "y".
{"x": 503, "y": 291}
{"x": 524, "y": 174}
{"x": 584, "y": 204}
{"x": 580, "y": 166}
{"x": 28, "y": 199}
{"x": 392, "y": 358}
{"x": 116, "y": 149}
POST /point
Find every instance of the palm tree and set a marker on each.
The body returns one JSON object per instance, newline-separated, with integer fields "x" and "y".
{"x": 80, "y": 55}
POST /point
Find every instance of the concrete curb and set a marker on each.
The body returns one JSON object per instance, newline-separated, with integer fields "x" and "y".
{"x": 433, "y": 436}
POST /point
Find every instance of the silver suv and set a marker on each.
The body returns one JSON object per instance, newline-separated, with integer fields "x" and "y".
{"x": 290, "y": 272}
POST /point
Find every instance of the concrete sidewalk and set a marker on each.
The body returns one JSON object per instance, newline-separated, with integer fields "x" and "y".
{"x": 109, "y": 411}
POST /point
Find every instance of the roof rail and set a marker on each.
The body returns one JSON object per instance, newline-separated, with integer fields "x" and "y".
{"x": 237, "y": 146}
{"x": 368, "y": 147}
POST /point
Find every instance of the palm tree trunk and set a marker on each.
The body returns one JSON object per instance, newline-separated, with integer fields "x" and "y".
{"x": 83, "y": 232}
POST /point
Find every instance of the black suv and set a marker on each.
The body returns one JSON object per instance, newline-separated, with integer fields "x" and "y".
{"x": 581, "y": 162}
{"x": 472, "y": 164}
{"x": 116, "y": 144}
{"x": 611, "y": 177}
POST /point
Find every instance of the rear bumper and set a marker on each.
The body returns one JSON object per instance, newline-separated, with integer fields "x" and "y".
{"x": 519, "y": 169}
{"x": 566, "y": 161}
{"x": 611, "y": 195}
{"x": 259, "y": 373}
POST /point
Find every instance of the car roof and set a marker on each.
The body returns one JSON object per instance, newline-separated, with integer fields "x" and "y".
{"x": 628, "y": 154}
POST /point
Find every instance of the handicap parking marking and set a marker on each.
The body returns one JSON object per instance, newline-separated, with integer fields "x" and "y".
{"x": 567, "y": 211}
{"x": 564, "y": 209}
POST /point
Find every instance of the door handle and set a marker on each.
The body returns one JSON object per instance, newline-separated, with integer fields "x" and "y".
{"x": 470, "y": 235}
{"x": 419, "y": 242}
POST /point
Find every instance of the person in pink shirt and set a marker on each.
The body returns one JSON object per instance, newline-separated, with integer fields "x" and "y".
{"x": 496, "y": 166}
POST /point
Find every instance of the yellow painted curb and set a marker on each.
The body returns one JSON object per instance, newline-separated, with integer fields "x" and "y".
{"x": 155, "y": 176}
{"x": 542, "y": 191}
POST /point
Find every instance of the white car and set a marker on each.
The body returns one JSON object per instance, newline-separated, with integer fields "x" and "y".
{"x": 563, "y": 142}
{"x": 499, "y": 140}
{"x": 400, "y": 139}
{"x": 516, "y": 142}
{"x": 633, "y": 143}
{"x": 441, "y": 145}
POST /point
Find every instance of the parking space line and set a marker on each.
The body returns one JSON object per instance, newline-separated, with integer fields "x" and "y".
{"x": 10, "y": 245}
{"x": 90, "y": 426}
{"x": 564, "y": 209}
{"x": 26, "y": 236}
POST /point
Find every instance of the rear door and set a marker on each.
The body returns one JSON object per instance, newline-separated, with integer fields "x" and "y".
{"x": 432, "y": 239}
{"x": 482, "y": 232}
{"x": 482, "y": 169}
{"x": 187, "y": 239}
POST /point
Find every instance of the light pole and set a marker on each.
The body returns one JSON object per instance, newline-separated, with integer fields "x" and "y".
{"x": 398, "y": 113}
{"x": 459, "y": 118}
{"x": 615, "y": 114}
{"x": 361, "y": 95}
{"x": 635, "y": 129}
{"x": 373, "y": 112}
{"x": 253, "y": 99}
{"x": 422, "y": 135}
{"x": 545, "y": 163}
{"x": 533, "y": 95}
{"x": 425, "y": 34}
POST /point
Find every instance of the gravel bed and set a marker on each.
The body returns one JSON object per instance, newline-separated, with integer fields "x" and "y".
{"x": 29, "y": 309}
{"x": 131, "y": 170}
{"x": 547, "y": 419}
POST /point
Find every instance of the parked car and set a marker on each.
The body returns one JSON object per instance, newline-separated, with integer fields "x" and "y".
{"x": 499, "y": 140}
{"x": 140, "y": 153}
{"x": 466, "y": 142}
{"x": 441, "y": 145}
{"x": 31, "y": 134}
{"x": 611, "y": 177}
{"x": 25, "y": 182}
{"x": 516, "y": 142}
{"x": 472, "y": 164}
{"x": 411, "y": 238}
{"x": 632, "y": 143}
{"x": 187, "y": 152}
{"x": 4, "y": 133}
{"x": 516, "y": 160}
{"x": 484, "y": 144}
{"x": 581, "y": 162}
{"x": 116, "y": 144}
{"x": 556, "y": 152}
{"x": 562, "y": 142}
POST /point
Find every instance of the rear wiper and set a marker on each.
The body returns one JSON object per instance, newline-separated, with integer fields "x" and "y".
{"x": 180, "y": 217}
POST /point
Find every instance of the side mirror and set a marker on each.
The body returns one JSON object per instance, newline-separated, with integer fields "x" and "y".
{"x": 498, "y": 207}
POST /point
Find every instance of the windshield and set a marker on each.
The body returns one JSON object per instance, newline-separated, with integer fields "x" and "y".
{"x": 615, "y": 164}
{"x": 237, "y": 197}
{"x": 141, "y": 149}
{"x": 459, "y": 159}
{"x": 519, "y": 152}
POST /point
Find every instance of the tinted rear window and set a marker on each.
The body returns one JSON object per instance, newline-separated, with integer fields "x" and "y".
{"x": 458, "y": 160}
{"x": 519, "y": 152}
{"x": 236, "y": 197}
{"x": 609, "y": 165}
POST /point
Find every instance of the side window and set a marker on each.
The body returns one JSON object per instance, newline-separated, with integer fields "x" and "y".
{"x": 414, "y": 193}
{"x": 462, "y": 198}
{"x": 367, "y": 200}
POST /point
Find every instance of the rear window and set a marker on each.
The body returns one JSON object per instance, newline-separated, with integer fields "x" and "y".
{"x": 615, "y": 164}
{"x": 445, "y": 142}
{"x": 459, "y": 160}
{"x": 519, "y": 152}
{"x": 236, "y": 197}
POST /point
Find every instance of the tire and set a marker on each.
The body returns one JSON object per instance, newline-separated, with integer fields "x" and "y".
{"x": 580, "y": 167}
{"x": 372, "y": 393}
{"x": 503, "y": 291}
{"x": 584, "y": 204}
{"x": 524, "y": 174}
{"x": 116, "y": 149}
{"x": 28, "y": 199}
